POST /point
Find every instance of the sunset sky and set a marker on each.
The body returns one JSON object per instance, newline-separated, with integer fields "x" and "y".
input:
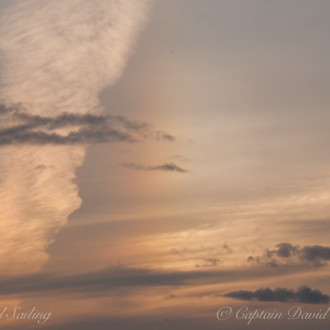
{"x": 161, "y": 160}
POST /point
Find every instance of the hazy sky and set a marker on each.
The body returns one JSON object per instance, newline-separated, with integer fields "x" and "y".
{"x": 163, "y": 159}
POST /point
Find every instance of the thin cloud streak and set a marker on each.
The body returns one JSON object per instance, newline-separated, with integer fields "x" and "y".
{"x": 167, "y": 167}
{"x": 103, "y": 280}
{"x": 25, "y": 128}
{"x": 110, "y": 279}
{"x": 162, "y": 135}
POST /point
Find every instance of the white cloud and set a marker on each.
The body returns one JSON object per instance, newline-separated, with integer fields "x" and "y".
{"x": 57, "y": 56}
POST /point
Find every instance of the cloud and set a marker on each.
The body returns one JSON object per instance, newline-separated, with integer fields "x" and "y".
{"x": 162, "y": 135}
{"x": 315, "y": 253}
{"x": 56, "y": 58}
{"x": 208, "y": 262}
{"x": 286, "y": 252}
{"x": 206, "y": 256}
{"x": 112, "y": 279}
{"x": 303, "y": 294}
{"x": 59, "y": 55}
{"x": 104, "y": 280}
{"x": 19, "y": 127}
{"x": 167, "y": 167}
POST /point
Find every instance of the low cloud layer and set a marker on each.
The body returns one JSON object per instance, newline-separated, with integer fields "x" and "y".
{"x": 167, "y": 167}
{"x": 303, "y": 294}
{"x": 109, "y": 280}
{"x": 285, "y": 252}
{"x": 19, "y": 127}
{"x": 104, "y": 280}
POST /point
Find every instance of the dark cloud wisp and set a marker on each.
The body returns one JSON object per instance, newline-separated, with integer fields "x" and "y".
{"x": 20, "y": 127}
{"x": 162, "y": 135}
{"x": 103, "y": 281}
{"x": 303, "y": 294}
{"x": 167, "y": 167}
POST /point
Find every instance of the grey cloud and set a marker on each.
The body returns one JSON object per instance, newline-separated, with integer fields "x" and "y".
{"x": 81, "y": 136}
{"x": 18, "y": 126}
{"x": 162, "y": 135}
{"x": 105, "y": 280}
{"x": 315, "y": 253}
{"x": 112, "y": 279}
{"x": 4, "y": 109}
{"x": 226, "y": 248}
{"x": 303, "y": 294}
{"x": 208, "y": 256}
{"x": 286, "y": 252}
{"x": 169, "y": 167}
{"x": 208, "y": 262}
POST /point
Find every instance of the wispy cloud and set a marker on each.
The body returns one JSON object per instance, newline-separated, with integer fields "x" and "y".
{"x": 57, "y": 56}
{"x": 117, "y": 278}
{"x": 303, "y": 294}
{"x": 167, "y": 167}
{"x": 104, "y": 280}
{"x": 162, "y": 135}
{"x": 208, "y": 262}
{"x": 18, "y": 126}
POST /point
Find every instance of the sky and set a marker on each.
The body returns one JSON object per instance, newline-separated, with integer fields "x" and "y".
{"x": 161, "y": 161}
